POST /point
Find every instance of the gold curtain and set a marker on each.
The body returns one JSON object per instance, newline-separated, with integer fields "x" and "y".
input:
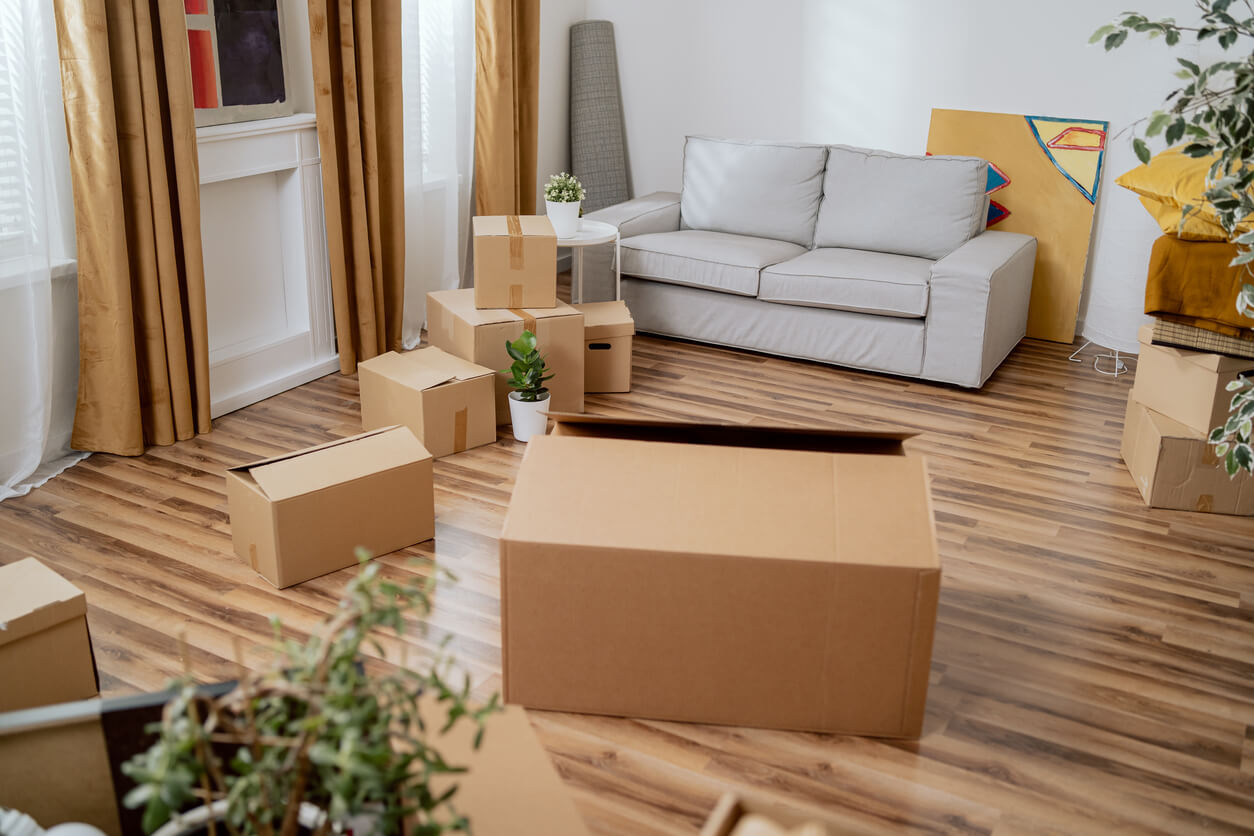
{"x": 507, "y": 75}
{"x": 357, "y": 89}
{"x": 143, "y": 344}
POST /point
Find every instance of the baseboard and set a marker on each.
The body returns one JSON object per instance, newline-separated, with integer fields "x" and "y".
{"x": 238, "y": 400}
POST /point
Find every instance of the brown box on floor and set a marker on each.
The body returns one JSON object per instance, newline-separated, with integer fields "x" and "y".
{"x": 733, "y": 809}
{"x": 449, "y": 403}
{"x": 1184, "y": 385}
{"x": 1174, "y": 467}
{"x": 457, "y": 326}
{"x": 303, "y": 514}
{"x": 515, "y": 261}
{"x": 45, "y": 649}
{"x": 758, "y": 576}
{"x": 607, "y": 330}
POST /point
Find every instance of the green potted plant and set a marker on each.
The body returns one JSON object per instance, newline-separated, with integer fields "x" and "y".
{"x": 528, "y": 403}
{"x": 321, "y": 741}
{"x": 1210, "y": 113}
{"x": 563, "y": 195}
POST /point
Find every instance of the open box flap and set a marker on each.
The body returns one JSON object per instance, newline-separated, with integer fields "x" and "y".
{"x": 774, "y": 436}
{"x": 603, "y": 320}
{"x": 34, "y": 598}
{"x": 424, "y": 368}
{"x": 462, "y": 305}
{"x": 315, "y": 468}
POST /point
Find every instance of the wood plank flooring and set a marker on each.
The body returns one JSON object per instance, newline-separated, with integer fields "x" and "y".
{"x": 1094, "y": 659}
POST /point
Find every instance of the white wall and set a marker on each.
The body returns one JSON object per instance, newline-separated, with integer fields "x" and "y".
{"x": 869, "y": 73}
{"x": 553, "y": 153}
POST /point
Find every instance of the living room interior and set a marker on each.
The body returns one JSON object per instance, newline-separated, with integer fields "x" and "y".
{"x": 569, "y": 417}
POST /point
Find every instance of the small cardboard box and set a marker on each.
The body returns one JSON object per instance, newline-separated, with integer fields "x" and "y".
{"x": 515, "y": 261}
{"x": 457, "y": 326}
{"x": 1184, "y": 385}
{"x": 733, "y": 808}
{"x": 607, "y": 330}
{"x": 303, "y": 514}
{"x": 1174, "y": 467}
{"x": 510, "y": 787}
{"x": 757, "y": 576}
{"x": 449, "y": 403}
{"x": 45, "y": 649}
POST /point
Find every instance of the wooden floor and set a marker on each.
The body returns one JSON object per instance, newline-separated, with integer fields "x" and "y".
{"x": 1094, "y": 659}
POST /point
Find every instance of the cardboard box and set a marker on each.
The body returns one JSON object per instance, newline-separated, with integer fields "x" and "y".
{"x": 515, "y": 261}
{"x": 45, "y": 648}
{"x": 457, "y": 326}
{"x": 733, "y": 808}
{"x": 511, "y": 786}
{"x": 756, "y": 576}
{"x": 303, "y": 514}
{"x": 449, "y": 403}
{"x": 607, "y": 330}
{"x": 1186, "y": 386}
{"x": 1174, "y": 467}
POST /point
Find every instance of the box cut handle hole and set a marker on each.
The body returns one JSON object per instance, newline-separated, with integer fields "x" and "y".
{"x": 599, "y": 346}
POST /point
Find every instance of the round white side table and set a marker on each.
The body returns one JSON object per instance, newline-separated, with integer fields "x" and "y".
{"x": 591, "y": 233}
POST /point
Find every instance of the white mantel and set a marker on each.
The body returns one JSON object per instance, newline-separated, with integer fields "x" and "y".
{"x": 266, "y": 280}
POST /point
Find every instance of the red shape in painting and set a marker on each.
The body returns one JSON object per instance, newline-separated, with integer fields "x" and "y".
{"x": 1068, "y": 141}
{"x": 204, "y": 79}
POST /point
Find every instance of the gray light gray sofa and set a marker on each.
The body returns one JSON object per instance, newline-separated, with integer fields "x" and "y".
{"x": 842, "y": 255}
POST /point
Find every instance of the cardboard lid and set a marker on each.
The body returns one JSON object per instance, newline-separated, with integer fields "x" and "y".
{"x": 1170, "y": 427}
{"x": 1218, "y": 363}
{"x": 423, "y": 368}
{"x": 461, "y": 303}
{"x": 34, "y": 598}
{"x": 532, "y": 226}
{"x": 787, "y": 493}
{"x": 335, "y": 463}
{"x": 602, "y": 320}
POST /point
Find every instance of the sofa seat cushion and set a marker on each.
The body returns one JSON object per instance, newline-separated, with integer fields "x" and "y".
{"x": 850, "y": 280}
{"x": 699, "y": 258}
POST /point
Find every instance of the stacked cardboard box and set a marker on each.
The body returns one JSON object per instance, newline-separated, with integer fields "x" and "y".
{"x": 1179, "y": 396}
{"x": 639, "y": 577}
{"x": 515, "y": 261}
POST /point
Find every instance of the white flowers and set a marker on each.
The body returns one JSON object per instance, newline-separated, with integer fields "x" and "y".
{"x": 563, "y": 188}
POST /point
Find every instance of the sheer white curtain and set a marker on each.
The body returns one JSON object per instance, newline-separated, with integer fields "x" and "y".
{"x": 38, "y": 330}
{"x": 438, "y": 82}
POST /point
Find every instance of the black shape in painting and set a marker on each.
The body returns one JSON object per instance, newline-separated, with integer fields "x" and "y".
{"x": 250, "y": 54}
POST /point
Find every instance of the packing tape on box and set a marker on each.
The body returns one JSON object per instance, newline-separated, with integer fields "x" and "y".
{"x": 515, "y": 297}
{"x": 252, "y": 556}
{"x": 1205, "y": 503}
{"x": 515, "y": 243}
{"x": 459, "y": 430}
{"x": 529, "y": 321}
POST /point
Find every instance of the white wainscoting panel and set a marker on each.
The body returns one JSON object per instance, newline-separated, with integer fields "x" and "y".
{"x": 266, "y": 280}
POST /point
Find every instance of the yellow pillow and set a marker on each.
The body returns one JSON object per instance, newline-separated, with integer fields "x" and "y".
{"x": 1168, "y": 183}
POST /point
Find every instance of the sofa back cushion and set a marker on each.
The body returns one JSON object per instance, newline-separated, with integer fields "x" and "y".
{"x": 890, "y": 203}
{"x": 763, "y": 189}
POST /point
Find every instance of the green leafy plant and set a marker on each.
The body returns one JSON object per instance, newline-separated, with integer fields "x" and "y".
{"x": 1233, "y": 440}
{"x": 564, "y": 188}
{"x": 316, "y": 726}
{"x": 527, "y": 372}
{"x": 1213, "y": 112}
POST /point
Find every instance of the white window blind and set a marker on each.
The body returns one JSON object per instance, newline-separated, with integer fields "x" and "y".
{"x": 14, "y": 198}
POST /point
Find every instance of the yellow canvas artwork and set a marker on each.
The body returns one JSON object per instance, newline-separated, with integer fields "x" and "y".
{"x": 1044, "y": 174}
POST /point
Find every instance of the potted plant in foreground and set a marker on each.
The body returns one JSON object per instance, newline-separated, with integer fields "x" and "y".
{"x": 563, "y": 195}
{"x": 317, "y": 742}
{"x": 529, "y": 402}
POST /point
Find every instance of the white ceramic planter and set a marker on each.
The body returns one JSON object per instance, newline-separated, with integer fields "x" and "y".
{"x": 310, "y": 818}
{"x": 528, "y": 417}
{"x": 564, "y": 217}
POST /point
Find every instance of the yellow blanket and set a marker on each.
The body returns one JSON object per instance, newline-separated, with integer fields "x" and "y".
{"x": 1190, "y": 282}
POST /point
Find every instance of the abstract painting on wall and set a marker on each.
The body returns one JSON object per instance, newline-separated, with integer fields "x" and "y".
{"x": 1043, "y": 178}
{"x": 236, "y": 50}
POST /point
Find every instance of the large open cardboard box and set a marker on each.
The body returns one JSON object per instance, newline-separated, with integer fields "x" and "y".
{"x": 759, "y": 576}
{"x": 45, "y": 648}
{"x": 303, "y": 514}
{"x": 607, "y": 331}
{"x": 1183, "y": 385}
{"x": 457, "y": 326}
{"x": 449, "y": 403}
{"x": 1174, "y": 467}
{"x": 515, "y": 261}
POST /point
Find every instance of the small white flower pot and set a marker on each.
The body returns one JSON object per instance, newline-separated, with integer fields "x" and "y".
{"x": 528, "y": 417}
{"x": 564, "y": 217}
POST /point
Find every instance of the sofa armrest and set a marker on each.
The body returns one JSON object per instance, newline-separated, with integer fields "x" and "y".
{"x": 657, "y": 212}
{"x": 978, "y": 307}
